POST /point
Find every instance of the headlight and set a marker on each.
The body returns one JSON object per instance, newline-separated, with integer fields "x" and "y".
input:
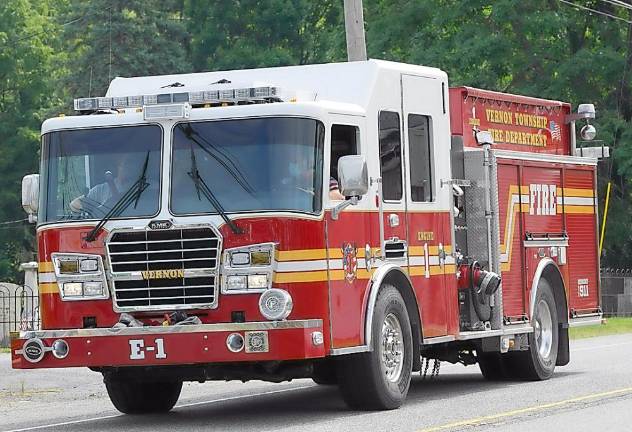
{"x": 245, "y": 282}
{"x": 275, "y": 304}
{"x": 93, "y": 289}
{"x": 239, "y": 258}
{"x": 236, "y": 282}
{"x": 257, "y": 281}
{"x": 80, "y": 276}
{"x": 68, "y": 266}
{"x": 248, "y": 268}
{"x": 260, "y": 258}
{"x": 72, "y": 289}
{"x": 89, "y": 265}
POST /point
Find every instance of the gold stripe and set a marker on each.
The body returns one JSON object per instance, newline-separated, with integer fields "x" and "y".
{"x": 432, "y": 250}
{"x": 300, "y": 255}
{"x": 48, "y": 288}
{"x": 46, "y": 266}
{"x": 579, "y": 209}
{"x": 579, "y": 192}
{"x": 361, "y": 274}
{"x": 435, "y": 270}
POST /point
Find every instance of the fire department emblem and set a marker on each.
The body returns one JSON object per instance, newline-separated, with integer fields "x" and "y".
{"x": 349, "y": 261}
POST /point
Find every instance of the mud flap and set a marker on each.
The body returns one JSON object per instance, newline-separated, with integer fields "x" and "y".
{"x": 563, "y": 350}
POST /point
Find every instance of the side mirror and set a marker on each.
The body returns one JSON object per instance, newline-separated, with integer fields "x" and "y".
{"x": 353, "y": 176}
{"x": 30, "y": 195}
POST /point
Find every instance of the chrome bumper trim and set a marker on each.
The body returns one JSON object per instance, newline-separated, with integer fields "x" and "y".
{"x": 349, "y": 350}
{"x": 201, "y": 328}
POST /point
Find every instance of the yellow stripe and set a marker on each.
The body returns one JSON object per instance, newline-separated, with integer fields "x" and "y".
{"x": 512, "y": 414}
{"x": 434, "y": 270}
{"x": 361, "y": 274}
{"x": 48, "y": 288}
{"x": 46, "y": 266}
{"x": 432, "y": 250}
{"x": 321, "y": 254}
{"x": 582, "y": 192}
{"x": 302, "y": 255}
{"x": 578, "y": 209}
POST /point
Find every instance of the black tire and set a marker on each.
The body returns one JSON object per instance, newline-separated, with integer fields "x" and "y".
{"x": 362, "y": 377}
{"x": 325, "y": 373}
{"x": 492, "y": 366}
{"x": 134, "y": 397}
{"x": 538, "y": 362}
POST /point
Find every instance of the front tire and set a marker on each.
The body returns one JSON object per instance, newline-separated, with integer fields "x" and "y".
{"x": 380, "y": 379}
{"x": 137, "y": 397}
{"x": 538, "y": 362}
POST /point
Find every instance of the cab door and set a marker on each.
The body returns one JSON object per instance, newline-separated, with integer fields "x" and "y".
{"x": 429, "y": 204}
{"x": 347, "y": 238}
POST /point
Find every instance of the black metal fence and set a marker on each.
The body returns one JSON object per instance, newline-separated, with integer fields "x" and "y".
{"x": 19, "y": 310}
{"x": 616, "y": 292}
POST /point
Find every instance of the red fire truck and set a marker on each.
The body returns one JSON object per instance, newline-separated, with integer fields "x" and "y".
{"x": 340, "y": 222}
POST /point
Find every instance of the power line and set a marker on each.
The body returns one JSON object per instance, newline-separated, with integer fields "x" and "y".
{"x": 81, "y": 18}
{"x": 595, "y": 11}
{"x": 619, "y": 3}
{"x": 13, "y": 222}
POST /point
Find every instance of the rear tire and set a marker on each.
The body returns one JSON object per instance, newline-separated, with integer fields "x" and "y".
{"x": 380, "y": 379}
{"x": 538, "y": 362}
{"x": 492, "y": 366}
{"x": 136, "y": 397}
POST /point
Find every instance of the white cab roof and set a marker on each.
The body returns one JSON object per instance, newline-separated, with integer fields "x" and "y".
{"x": 350, "y": 83}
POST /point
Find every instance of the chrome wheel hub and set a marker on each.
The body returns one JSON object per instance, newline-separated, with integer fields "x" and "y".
{"x": 543, "y": 329}
{"x": 392, "y": 348}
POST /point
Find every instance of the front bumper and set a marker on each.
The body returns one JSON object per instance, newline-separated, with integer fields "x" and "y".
{"x": 173, "y": 345}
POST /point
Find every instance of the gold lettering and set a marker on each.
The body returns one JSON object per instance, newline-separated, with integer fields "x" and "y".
{"x": 425, "y": 235}
{"x": 163, "y": 274}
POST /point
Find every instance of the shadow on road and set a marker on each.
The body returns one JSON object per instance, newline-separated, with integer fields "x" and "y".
{"x": 291, "y": 409}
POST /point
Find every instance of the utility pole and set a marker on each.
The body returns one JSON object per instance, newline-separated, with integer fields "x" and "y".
{"x": 354, "y": 26}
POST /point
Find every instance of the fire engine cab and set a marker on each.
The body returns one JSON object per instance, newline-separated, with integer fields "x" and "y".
{"x": 340, "y": 222}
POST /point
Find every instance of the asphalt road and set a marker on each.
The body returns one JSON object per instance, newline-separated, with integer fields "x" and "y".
{"x": 593, "y": 393}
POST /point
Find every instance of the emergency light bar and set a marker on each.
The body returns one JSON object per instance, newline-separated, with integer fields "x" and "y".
{"x": 229, "y": 96}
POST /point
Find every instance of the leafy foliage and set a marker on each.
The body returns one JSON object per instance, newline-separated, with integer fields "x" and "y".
{"x": 54, "y": 50}
{"x": 238, "y": 34}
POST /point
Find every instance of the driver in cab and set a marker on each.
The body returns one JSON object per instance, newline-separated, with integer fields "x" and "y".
{"x": 112, "y": 188}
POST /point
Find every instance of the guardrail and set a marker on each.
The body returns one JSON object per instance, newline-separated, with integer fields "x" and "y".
{"x": 19, "y": 310}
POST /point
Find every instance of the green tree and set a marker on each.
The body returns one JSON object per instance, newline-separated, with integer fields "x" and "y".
{"x": 237, "y": 34}
{"x": 539, "y": 48}
{"x": 122, "y": 38}
{"x": 27, "y": 46}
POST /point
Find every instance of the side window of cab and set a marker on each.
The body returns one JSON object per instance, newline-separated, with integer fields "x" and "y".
{"x": 345, "y": 140}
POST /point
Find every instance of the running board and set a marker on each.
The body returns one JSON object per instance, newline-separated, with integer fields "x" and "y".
{"x": 468, "y": 335}
{"x": 593, "y": 319}
{"x": 507, "y": 331}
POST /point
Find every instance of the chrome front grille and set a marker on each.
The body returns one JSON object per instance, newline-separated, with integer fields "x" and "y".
{"x": 168, "y": 269}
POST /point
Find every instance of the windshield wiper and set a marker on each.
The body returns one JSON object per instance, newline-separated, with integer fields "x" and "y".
{"x": 131, "y": 195}
{"x": 201, "y": 186}
{"x": 221, "y": 157}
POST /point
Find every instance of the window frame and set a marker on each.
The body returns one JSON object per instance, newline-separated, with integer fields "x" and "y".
{"x": 431, "y": 157}
{"x": 45, "y": 157}
{"x": 319, "y": 123}
{"x": 401, "y": 155}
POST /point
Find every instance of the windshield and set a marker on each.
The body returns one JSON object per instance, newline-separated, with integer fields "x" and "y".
{"x": 85, "y": 172}
{"x": 263, "y": 164}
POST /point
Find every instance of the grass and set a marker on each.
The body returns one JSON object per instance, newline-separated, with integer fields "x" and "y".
{"x": 609, "y": 327}
{"x": 5, "y": 350}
